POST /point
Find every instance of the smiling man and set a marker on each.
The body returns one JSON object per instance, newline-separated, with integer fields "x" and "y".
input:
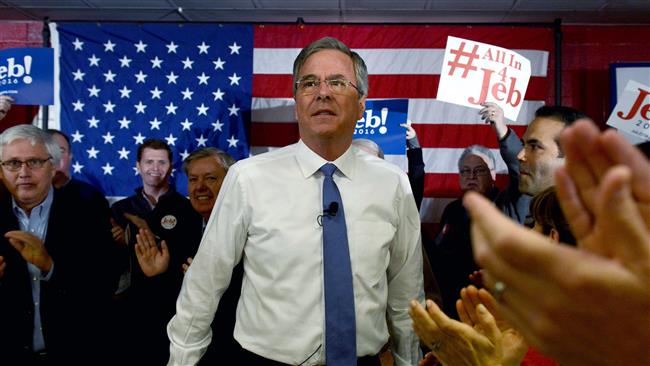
{"x": 329, "y": 237}
{"x": 170, "y": 216}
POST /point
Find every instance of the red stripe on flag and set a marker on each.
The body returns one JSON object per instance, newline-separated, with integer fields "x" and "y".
{"x": 459, "y": 136}
{"x": 441, "y": 185}
{"x": 273, "y": 134}
{"x": 383, "y": 86}
{"x": 402, "y": 36}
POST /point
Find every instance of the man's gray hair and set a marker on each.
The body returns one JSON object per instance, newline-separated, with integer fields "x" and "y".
{"x": 480, "y": 151}
{"x": 35, "y": 136}
{"x": 369, "y": 146}
{"x": 223, "y": 158}
{"x": 329, "y": 43}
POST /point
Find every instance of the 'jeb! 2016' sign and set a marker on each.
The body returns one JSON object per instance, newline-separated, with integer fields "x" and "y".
{"x": 381, "y": 124}
{"x": 27, "y": 75}
{"x": 632, "y": 112}
{"x": 474, "y": 73}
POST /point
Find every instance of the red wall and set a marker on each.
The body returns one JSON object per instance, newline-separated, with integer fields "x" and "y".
{"x": 13, "y": 35}
{"x": 587, "y": 52}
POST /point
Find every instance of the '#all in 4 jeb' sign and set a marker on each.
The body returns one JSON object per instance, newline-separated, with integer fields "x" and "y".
{"x": 632, "y": 112}
{"x": 27, "y": 75}
{"x": 474, "y": 73}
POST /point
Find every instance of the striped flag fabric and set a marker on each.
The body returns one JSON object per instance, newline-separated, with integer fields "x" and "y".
{"x": 404, "y": 62}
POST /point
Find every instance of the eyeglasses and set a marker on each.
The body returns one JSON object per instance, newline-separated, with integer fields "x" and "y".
{"x": 477, "y": 172}
{"x": 15, "y": 165}
{"x": 312, "y": 86}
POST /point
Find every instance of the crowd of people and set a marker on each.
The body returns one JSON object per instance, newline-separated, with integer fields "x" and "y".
{"x": 312, "y": 254}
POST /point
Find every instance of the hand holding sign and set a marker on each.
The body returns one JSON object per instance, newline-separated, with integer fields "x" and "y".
{"x": 474, "y": 73}
{"x": 5, "y": 105}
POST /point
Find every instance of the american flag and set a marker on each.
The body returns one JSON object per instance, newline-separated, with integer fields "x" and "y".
{"x": 404, "y": 61}
{"x": 189, "y": 85}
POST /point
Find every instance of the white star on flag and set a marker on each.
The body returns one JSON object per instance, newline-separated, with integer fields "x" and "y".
{"x": 140, "y": 47}
{"x": 78, "y": 45}
{"x": 171, "y": 108}
{"x": 108, "y": 138}
{"x": 184, "y": 154}
{"x": 217, "y": 125}
{"x": 125, "y": 61}
{"x": 109, "y": 76}
{"x": 218, "y": 95}
{"x": 156, "y": 63}
{"x": 77, "y": 167}
{"x": 94, "y": 61}
{"x": 203, "y": 110}
{"x": 234, "y": 79}
{"x": 78, "y": 106}
{"x": 187, "y": 63}
{"x": 171, "y": 140}
{"x": 203, "y": 48}
{"x": 186, "y": 124}
{"x": 124, "y": 123}
{"x": 200, "y": 141}
{"x": 218, "y": 64}
{"x": 233, "y": 110}
{"x": 139, "y": 138}
{"x": 124, "y": 153}
{"x": 109, "y": 46}
{"x": 92, "y": 153}
{"x": 155, "y": 124}
{"x": 155, "y": 93}
{"x": 94, "y": 91}
{"x": 140, "y": 108}
{"x": 125, "y": 92}
{"x": 232, "y": 141}
{"x": 93, "y": 122}
{"x": 76, "y": 136}
{"x": 108, "y": 169}
{"x": 171, "y": 48}
{"x": 141, "y": 77}
{"x": 187, "y": 94}
{"x": 78, "y": 75}
{"x": 203, "y": 78}
{"x": 171, "y": 78}
{"x": 108, "y": 107}
{"x": 234, "y": 48}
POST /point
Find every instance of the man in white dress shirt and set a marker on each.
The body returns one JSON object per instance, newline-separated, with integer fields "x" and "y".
{"x": 267, "y": 214}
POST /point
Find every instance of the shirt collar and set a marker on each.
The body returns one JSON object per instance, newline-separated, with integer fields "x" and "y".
{"x": 310, "y": 162}
{"x": 39, "y": 210}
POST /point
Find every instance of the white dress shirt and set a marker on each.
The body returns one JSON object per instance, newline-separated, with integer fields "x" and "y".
{"x": 266, "y": 213}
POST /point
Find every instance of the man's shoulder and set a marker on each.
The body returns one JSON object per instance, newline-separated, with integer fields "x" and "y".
{"x": 265, "y": 159}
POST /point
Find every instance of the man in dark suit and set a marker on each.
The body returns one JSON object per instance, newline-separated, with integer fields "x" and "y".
{"x": 57, "y": 278}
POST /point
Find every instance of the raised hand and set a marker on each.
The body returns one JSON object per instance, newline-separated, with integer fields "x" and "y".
{"x": 493, "y": 114}
{"x": 152, "y": 261}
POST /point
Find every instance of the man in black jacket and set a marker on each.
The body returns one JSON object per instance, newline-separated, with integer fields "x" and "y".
{"x": 58, "y": 255}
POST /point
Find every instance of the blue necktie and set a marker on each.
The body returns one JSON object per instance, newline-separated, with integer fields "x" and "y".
{"x": 340, "y": 327}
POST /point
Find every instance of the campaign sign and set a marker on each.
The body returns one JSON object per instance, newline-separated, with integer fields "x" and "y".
{"x": 474, "y": 73}
{"x": 27, "y": 75}
{"x": 632, "y": 112}
{"x": 381, "y": 124}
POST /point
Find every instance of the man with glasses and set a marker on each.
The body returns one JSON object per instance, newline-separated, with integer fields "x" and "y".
{"x": 56, "y": 255}
{"x": 307, "y": 299}
{"x": 451, "y": 253}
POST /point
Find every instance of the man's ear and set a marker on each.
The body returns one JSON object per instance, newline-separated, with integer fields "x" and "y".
{"x": 554, "y": 235}
{"x": 362, "y": 107}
